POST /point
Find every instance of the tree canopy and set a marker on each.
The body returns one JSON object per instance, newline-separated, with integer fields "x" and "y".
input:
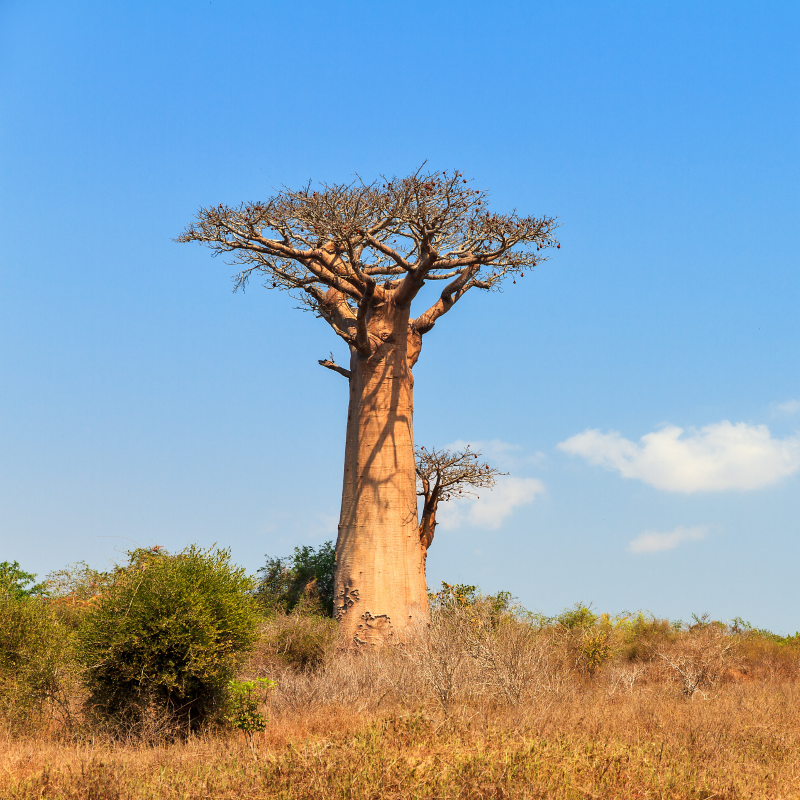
{"x": 304, "y": 578}
{"x": 345, "y": 247}
{"x": 443, "y": 475}
{"x": 17, "y": 583}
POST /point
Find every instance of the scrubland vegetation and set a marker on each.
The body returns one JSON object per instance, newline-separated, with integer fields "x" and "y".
{"x": 177, "y": 676}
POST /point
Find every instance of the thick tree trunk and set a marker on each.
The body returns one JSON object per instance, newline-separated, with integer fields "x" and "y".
{"x": 380, "y": 588}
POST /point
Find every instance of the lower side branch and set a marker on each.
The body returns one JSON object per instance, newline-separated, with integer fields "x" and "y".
{"x": 329, "y": 364}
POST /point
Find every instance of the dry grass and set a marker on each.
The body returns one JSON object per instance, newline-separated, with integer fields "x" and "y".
{"x": 743, "y": 743}
{"x": 472, "y": 710}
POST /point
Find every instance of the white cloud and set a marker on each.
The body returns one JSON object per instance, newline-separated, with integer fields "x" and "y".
{"x": 715, "y": 458}
{"x": 655, "y": 542}
{"x": 492, "y": 507}
{"x": 789, "y": 408}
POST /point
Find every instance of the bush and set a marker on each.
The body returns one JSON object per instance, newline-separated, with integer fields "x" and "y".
{"x": 303, "y": 579}
{"x": 579, "y": 617}
{"x": 766, "y": 658}
{"x": 300, "y": 640}
{"x": 168, "y": 632}
{"x": 453, "y": 596}
{"x": 699, "y": 656}
{"x": 35, "y": 663}
{"x": 73, "y": 589}
{"x": 477, "y": 644}
{"x": 515, "y": 659}
{"x": 588, "y": 639}
{"x": 643, "y": 634}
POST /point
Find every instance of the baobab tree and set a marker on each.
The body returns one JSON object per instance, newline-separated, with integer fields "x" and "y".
{"x": 444, "y": 475}
{"x": 358, "y": 255}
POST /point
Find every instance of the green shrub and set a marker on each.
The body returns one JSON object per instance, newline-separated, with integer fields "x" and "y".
{"x": 580, "y": 616}
{"x": 743, "y": 628}
{"x": 304, "y": 579}
{"x": 453, "y": 595}
{"x": 492, "y": 608}
{"x": 594, "y": 647}
{"x": 168, "y": 632}
{"x": 300, "y": 640}
{"x": 589, "y": 639}
{"x": 643, "y": 634}
{"x": 35, "y": 663}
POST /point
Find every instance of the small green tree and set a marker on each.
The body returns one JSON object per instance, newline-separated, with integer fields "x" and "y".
{"x": 244, "y": 714}
{"x": 169, "y": 631}
{"x": 15, "y": 582}
{"x": 303, "y": 579}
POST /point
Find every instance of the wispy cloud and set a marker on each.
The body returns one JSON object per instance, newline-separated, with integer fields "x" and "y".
{"x": 715, "y": 458}
{"x": 787, "y": 409}
{"x": 493, "y": 507}
{"x": 656, "y": 542}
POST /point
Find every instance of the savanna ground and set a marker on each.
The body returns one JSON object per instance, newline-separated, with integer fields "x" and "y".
{"x": 487, "y": 702}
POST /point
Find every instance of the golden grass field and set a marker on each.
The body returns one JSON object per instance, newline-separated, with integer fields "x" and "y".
{"x": 462, "y": 713}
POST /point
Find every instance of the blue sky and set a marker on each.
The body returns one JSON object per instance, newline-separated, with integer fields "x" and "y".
{"x": 144, "y": 402}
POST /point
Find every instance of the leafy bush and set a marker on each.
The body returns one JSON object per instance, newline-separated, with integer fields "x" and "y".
{"x": 300, "y": 640}
{"x": 579, "y": 617}
{"x": 643, "y": 634}
{"x": 587, "y": 638}
{"x": 303, "y": 579}
{"x": 168, "y": 632}
{"x": 73, "y": 589}
{"x": 453, "y": 596}
{"x": 35, "y": 664}
{"x": 739, "y": 626}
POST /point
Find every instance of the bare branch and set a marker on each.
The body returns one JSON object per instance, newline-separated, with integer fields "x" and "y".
{"x": 331, "y": 364}
{"x": 448, "y": 298}
{"x": 388, "y": 251}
